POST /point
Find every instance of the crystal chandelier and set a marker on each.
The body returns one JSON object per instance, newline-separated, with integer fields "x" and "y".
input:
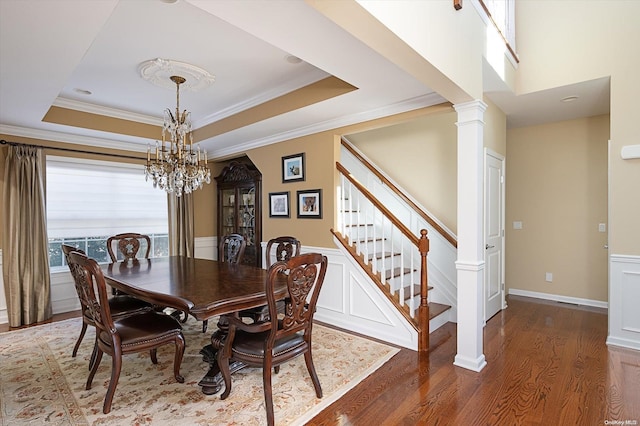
{"x": 177, "y": 167}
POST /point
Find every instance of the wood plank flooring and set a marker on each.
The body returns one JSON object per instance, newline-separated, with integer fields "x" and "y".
{"x": 547, "y": 364}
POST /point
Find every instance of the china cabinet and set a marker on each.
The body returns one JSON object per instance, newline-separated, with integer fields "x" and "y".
{"x": 239, "y": 211}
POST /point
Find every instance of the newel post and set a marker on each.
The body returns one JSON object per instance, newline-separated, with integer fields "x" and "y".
{"x": 423, "y": 310}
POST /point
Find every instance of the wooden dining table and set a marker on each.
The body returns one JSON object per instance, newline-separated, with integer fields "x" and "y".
{"x": 201, "y": 288}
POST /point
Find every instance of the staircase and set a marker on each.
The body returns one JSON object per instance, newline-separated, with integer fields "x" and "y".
{"x": 394, "y": 255}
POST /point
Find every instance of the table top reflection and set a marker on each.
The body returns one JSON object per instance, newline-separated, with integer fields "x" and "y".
{"x": 203, "y": 288}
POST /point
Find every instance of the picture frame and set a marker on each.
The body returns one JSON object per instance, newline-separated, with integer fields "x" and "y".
{"x": 310, "y": 203}
{"x": 279, "y": 204}
{"x": 293, "y": 168}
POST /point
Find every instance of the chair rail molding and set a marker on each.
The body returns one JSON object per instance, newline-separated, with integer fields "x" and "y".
{"x": 624, "y": 293}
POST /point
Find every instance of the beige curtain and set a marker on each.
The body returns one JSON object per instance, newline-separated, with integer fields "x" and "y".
{"x": 181, "y": 240}
{"x": 24, "y": 238}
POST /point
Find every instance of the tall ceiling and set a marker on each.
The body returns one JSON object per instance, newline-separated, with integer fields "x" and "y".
{"x": 67, "y": 64}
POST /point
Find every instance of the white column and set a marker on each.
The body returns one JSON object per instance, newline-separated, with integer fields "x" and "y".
{"x": 470, "y": 263}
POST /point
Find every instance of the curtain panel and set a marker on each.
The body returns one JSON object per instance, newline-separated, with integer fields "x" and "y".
{"x": 25, "y": 249}
{"x": 181, "y": 218}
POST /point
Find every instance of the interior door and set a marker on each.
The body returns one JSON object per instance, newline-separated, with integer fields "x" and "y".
{"x": 494, "y": 235}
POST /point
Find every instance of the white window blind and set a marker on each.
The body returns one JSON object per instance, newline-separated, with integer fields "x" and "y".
{"x": 100, "y": 198}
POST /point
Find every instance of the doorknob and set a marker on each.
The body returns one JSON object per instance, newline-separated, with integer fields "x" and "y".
{"x": 487, "y": 247}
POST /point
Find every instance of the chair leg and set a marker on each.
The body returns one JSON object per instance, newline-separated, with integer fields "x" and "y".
{"x": 116, "y": 366}
{"x": 205, "y": 324}
{"x": 75, "y": 348}
{"x": 154, "y": 355}
{"x": 94, "y": 367}
{"x": 177, "y": 361}
{"x": 308, "y": 359}
{"x": 94, "y": 352}
{"x": 268, "y": 392}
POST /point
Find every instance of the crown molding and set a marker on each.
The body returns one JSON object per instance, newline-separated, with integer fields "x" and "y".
{"x": 74, "y": 139}
{"x": 280, "y": 90}
{"x": 106, "y": 111}
{"x": 397, "y": 108}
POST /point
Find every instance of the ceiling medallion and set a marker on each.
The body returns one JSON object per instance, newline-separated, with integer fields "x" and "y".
{"x": 159, "y": 71}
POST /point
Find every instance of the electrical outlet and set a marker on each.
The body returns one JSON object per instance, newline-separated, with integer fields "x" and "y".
{"x": 549, "y": 277}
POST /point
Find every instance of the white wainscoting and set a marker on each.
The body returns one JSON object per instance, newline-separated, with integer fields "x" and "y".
{"x": 351, "y": 301}
{"x": 206, "y": 248}
{"x": 4, "y": 317}
{"x": 624, "y": 300}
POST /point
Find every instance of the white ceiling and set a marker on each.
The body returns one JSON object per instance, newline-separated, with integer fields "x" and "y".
{"x": 50, "y": 49}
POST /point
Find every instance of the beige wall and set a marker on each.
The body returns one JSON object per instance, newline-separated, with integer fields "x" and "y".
{"x": 319, "y": 171}
{"x": 569, "y": 41}
{"x": 421, "y": 157}
{"x": 556, "y": 185}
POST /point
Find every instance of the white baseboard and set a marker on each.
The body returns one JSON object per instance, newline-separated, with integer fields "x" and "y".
{"x": 559, "y": 298}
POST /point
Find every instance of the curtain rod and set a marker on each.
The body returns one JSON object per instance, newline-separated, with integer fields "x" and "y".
{"x": 79, "y": 151}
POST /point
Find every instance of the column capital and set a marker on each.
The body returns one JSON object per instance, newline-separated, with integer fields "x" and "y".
{"x": 470, "y": 111}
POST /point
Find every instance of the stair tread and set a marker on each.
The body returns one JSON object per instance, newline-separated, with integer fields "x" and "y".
{"x": 436, "y": 309}
{"x": 396, "y": 272}
{"x": 380, "y": 255}
{"x": 416, "y": 291}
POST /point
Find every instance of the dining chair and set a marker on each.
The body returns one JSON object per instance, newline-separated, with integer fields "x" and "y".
{"x": 128, "y": 244}
{"x": 278, "y": 249}
{"x": 119, "y": 305}
{"x": 276, "y": 341}
{"x": 230, "y": 250}
{"x": 138, "y": 332}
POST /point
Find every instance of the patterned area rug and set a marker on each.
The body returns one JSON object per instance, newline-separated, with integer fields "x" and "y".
{"x": 41, "y": 384}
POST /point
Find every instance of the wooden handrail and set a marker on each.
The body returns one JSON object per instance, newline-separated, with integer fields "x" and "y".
{"x": 401, "y": 226}
{"x": 447, "y": 236}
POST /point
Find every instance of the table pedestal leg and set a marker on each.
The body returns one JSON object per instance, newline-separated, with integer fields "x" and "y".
{"x": 212, "y": 382}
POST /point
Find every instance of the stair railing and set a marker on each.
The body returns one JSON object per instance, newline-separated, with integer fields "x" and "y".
{"x": 393, "y": 256}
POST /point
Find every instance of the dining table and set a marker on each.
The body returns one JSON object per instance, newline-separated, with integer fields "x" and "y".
{"x": 202, "y": 288}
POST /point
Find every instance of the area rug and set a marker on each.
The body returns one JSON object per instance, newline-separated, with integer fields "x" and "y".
{"x": 41, "y": 384}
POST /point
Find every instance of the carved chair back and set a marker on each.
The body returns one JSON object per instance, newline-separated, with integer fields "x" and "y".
{"x": 128, "y": 244}
{"x": 285, "y": 248}
{"x": 232, "y": 248}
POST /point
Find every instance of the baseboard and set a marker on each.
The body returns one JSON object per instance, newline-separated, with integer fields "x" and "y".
{"x": 559, "y": 298}
{"x": 623, "y": 343}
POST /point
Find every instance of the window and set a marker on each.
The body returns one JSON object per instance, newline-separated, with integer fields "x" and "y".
{"x": 88, "y": 201}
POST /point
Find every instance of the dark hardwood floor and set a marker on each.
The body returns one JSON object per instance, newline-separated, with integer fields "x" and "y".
{"x": 547, "y": 364}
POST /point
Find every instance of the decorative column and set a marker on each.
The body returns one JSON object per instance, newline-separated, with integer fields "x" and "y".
{"x": 470, "y": 263}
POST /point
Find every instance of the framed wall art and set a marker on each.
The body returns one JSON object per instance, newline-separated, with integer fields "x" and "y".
{"x": 293, "y": 168}
{"x": 310, "y": 204}
{"x": 279, "y": 204}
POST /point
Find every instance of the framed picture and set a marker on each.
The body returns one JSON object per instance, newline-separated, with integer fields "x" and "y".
{"x": 310, "y": 204}
{"x": 293, "y": 168}
{"x": 279, "y": 204}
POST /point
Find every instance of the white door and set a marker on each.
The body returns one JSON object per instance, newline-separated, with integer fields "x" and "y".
{"x": 494, "y": 234}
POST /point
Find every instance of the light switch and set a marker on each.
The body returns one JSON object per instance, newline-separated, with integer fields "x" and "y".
{"x": 517, "y": 225}
{"x": 602, "y": 227}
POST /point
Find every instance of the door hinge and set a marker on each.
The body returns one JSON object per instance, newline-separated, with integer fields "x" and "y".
{"x": 501, "y": 178}
{"x": 502, "y": 285}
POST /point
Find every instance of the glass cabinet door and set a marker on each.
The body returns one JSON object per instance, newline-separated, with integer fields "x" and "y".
{"x": 247, "y": 215}
{"x": 228, "y": 211}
